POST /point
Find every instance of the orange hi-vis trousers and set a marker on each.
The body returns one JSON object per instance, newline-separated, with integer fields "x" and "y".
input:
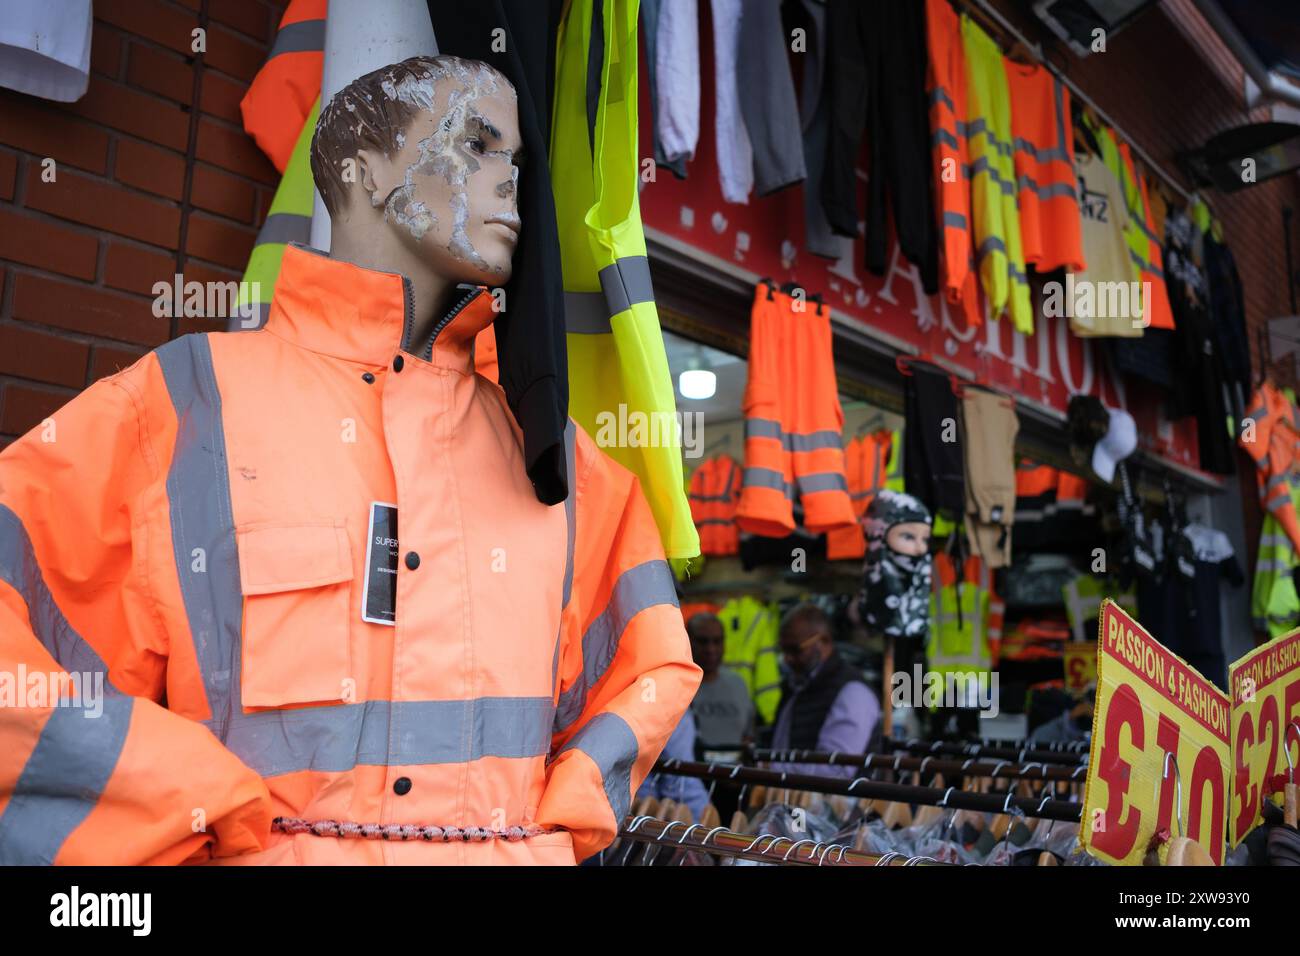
{"x": 793, "y": 420}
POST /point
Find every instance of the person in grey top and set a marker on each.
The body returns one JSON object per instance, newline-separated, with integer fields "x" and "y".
{"x": 723, "y": 709}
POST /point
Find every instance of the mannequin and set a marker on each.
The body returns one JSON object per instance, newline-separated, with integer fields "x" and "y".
{"x": 895, "y": 597}
{"x": 424, "y": 183}
{"x": 309, "y": 565}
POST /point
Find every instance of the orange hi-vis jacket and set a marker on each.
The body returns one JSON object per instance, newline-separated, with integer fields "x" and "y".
{"x": 866, "y": 466}
{"x": 1051, "y": 226}
{"x": 714, "y": 494}
{"x": 946, "y": 85}
{"x": 280, "y": 97}
{"x": 195, "y": 531}
{"x": 1273, "y": 443}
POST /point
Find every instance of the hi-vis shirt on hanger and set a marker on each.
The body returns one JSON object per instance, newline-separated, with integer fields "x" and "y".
{"x": 618, "y": 370}
{"x": 190, "y": 533}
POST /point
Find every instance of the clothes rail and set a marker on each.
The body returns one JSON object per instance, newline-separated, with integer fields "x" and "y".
{"x": 1037, "y": 51}
{"x": 970, "y": 767}
{"x": 764, "y": 848}
{"x": 950, "y": 797}
{"x": 1020, "y": 754}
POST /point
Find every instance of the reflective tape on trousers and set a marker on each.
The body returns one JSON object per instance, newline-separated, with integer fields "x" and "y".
{"x": 792, "y": 441}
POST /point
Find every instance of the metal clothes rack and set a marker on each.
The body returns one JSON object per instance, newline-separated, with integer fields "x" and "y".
{"x": 951, "y": 798}
{"x": 970, "y": 767}
{"x": 1070, "y": 754}
{"x": 1037, "y": 51}
{"x": 764, "y": 848}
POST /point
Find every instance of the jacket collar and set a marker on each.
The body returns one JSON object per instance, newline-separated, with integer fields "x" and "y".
{"x": 362, "y": 315}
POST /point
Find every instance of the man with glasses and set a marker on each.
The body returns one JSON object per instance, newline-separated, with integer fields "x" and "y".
{"x": 825, "y": 703}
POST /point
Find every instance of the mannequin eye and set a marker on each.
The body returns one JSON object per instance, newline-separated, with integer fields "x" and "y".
{"x": 477, "y": 145}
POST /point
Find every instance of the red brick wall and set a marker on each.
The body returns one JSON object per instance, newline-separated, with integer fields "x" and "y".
{"x": 79, "y": 256}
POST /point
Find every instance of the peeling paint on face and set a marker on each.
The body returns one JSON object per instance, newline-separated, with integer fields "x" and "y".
{"x": 449, "y": 152}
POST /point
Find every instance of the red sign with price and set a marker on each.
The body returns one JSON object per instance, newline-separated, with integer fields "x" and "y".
{"x": 1265, "y": 699}
{"x": 1150, "y": 703}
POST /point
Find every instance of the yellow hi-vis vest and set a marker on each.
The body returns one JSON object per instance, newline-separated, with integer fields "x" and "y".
{"x": 1274, "y": 604}
{"x": 996, "y": 216}
{"x": 289, "y": 220}
{"x": 620, "y": 389}
{"x": 960, "y": 641}
{"x": 1082, "y": 597}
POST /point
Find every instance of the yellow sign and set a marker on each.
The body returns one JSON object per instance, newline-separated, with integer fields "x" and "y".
{"x": 1080, "y": 666}
{"x": 1265, "y": 700}
{"x": 1150, "y": 703}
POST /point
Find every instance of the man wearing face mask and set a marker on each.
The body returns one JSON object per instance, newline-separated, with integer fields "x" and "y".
{"x": 825, "y": 703}
{"x": 333, "y": 621}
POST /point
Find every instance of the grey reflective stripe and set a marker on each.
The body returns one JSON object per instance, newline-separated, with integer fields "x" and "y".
{"x": 381, "y": 733}
{"x": 305, "y": 36}
{"x": 1278, "y": 503}
{"x": 940, "y": 95}
{"x": 991, "y": 244}
{"x": 1273, "y": 565}
{"x": 954, "y": 220}
{"x": 62, "y": 781}
{"x": 792, "y": 441}
{"x": 1058, "y": 189}
{"x": 21, "y": 571}
{"x": 767, "y": 478}
{"x": 731, "y": 481}
{"x": 722, "y": 521}
{"x": 284, "y": 227}
{"x": 571, "y": 531}
{"x": 982, "y": 165}
{"x": 1274, "y": 540}
{"x": 1016, "y": 275}
{"x": 944, "y": 137}
{"x": 623, "y": 285}
{"x": 979, "y": 126}
{"x": 824, "y": 481}
{"x": 1257, "y": 413}
{"x": 1064, "y": 148}
{"x": 609, "y": 742}
{"x": 646, "y": 585}
{"x": 198, "y": 495}
{"x": 765, "y": 688}
{"x": 584, "y": 313}
{"x": 626, "y": 283}
{"x": 1274, "y": 482}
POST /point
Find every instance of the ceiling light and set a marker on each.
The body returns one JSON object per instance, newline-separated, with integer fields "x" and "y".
{"x": 697, "y": 383}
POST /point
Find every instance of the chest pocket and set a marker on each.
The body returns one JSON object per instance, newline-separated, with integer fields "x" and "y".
{"x": 297, "y": 584}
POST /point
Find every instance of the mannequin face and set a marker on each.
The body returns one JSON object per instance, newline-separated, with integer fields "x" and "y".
{"x": 911, "y": 538}
{"x": 448, "y": 193}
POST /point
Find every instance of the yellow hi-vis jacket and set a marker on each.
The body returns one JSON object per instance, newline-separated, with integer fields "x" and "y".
{"x": 620, "y": 389}
{"x": 996, "y": 216}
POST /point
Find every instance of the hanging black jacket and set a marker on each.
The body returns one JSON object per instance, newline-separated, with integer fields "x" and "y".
{"x": 534, "y": 368}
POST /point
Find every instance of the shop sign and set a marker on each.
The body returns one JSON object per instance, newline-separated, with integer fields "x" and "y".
{"x": 1150, "y": 703}
{"x": 1265, "y": 700}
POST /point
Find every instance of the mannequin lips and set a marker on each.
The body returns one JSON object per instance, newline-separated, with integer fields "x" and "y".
{"x": 508, "y": 219}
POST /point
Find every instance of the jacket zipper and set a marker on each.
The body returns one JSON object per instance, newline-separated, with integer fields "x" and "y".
{"x": 408, "y": 323}
{"x": 472, "y": 294}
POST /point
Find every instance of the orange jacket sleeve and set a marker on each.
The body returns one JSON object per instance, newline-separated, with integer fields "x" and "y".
{"x": 117, "y": 779}
{"x": 625, "y": 669}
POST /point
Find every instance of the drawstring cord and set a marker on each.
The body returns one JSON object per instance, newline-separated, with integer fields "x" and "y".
{"x": 405, "y": 831}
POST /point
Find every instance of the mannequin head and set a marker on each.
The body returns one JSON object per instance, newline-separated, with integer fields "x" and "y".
{"x": 909, "y": 538}
{"x": 418, "y": 163}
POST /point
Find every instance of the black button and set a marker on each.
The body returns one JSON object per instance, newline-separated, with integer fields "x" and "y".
{"x": 398, "y": 363}
{"x": 412, "y": 560}
{"x": 368, "y": 377}
{"x": 402, "y": 786}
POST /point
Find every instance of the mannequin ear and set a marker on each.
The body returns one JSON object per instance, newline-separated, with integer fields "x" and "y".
{"x": 374, "y": 170}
